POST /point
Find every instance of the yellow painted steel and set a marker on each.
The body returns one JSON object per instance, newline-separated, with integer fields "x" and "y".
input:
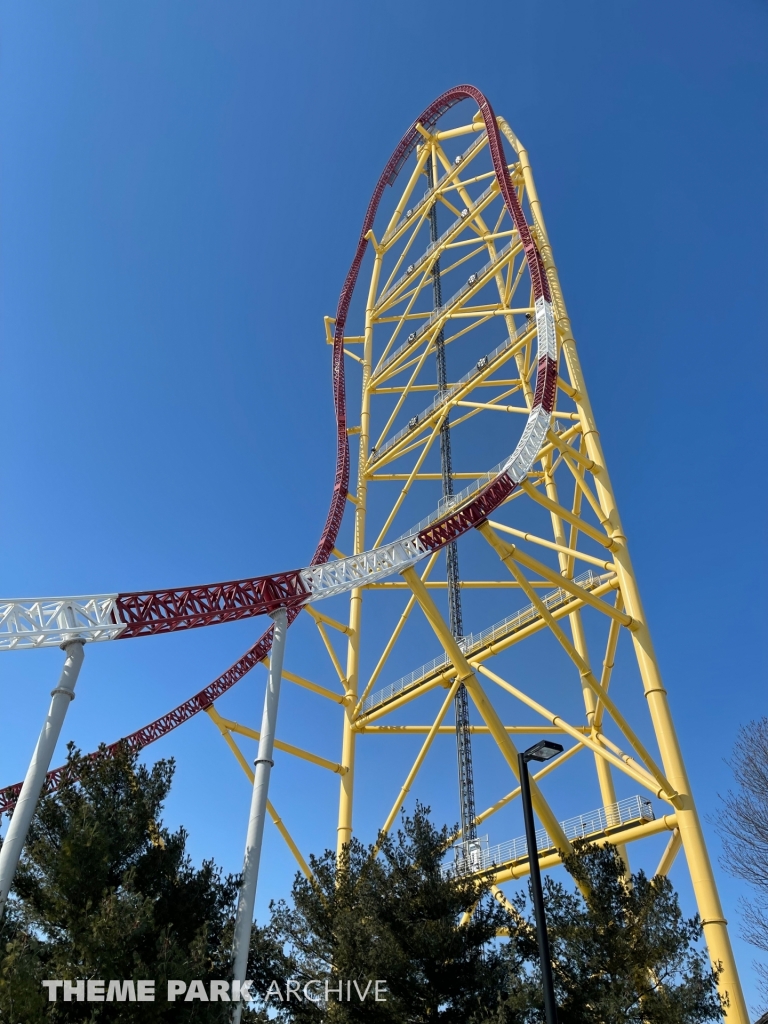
{"x": 332, "y": 654}
{"x": 276, "y": 819}
{"x": 337, "y": 698}
{"x": 513, "y": 794}
{"x": 349, "y": 734}
{"x": 492, "y": 649}
{"x": 307, "y": 684}
{"x": 510, "y": 908}
{"x": 562, "y": 518}
{"x": 479, "y": 729}
{"x": 566, "y": 558}
{"x": 487, "y": 711}
{"x": 406, "y": 787}
{"x": 699, "y": 864}
{"x": 288, "y": 748}
{"x": 666, "y": 791}
{"x": 327, "y": 619}
{"x": 395, "y": 634}
{"x": 563, "y": 513}
{"x": 558, "y": 580}
{"x": 562, "y": 548}
{"x": 630, "y": 835}
{"x": 608, "y": 663}
{"x": 464, "y": 584}
{"x": 623, "y": 764}
{"x": 670, "y": 853}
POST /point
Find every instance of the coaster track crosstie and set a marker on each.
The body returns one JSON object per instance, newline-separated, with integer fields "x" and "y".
{"x": 461, "y": 270}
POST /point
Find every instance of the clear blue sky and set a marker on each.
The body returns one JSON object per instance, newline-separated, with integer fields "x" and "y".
{"x": 182, "y": 188}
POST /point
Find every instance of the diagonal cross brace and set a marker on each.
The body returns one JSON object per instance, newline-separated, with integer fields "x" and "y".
{"x": 487, "y": 711}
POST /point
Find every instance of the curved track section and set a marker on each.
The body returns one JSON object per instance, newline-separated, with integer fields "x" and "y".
{"x": 46, "y": 622}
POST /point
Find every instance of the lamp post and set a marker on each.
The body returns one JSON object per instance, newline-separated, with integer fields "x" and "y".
{"x": 542, "y": 751}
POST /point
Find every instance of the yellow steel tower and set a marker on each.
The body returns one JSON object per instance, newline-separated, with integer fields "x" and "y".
{"x": 546, "y": 580}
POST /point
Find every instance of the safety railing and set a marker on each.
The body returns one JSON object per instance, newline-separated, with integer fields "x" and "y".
{"x": 477, "y": 641}
{"x": 440, "y": 400}
{"x": 441, "y": 311}
{"x": 476, "y": 855}
{"x": 476, "y": 144}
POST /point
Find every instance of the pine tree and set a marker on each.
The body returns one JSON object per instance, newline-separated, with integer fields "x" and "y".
{"x": 394, "y": 917}
{"x": 625, "y": 954}
{"x": 105, "y": 891}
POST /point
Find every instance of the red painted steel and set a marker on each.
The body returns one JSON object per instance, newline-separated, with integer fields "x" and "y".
{"x": 164, "y": 611}
{"x": 546, "y": 383}
{"x": 467, "y": 518}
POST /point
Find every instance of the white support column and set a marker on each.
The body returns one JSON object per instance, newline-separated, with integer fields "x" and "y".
{"x": 38, "y": 767}
{"x": 263, "y": 767}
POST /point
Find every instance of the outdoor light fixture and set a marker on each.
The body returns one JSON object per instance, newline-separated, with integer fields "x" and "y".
{"x": 543, "y": 751}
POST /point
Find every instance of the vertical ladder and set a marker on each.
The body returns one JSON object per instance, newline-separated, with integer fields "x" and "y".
{"x": 461, "y": 700}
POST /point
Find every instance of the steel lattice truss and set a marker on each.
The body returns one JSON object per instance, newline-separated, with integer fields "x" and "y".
{"x": 543, "y": 551}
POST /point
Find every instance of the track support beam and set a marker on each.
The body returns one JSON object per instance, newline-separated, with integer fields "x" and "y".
{"x": 61, "y": 698}
{"x": 263, "y": 765}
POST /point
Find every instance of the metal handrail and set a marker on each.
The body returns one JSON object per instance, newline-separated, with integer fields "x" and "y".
{"x": 436, "y": 314}
{"x": 440, "y": 399}
{"x": 477, "y": 855}
{"x": 475, "y": 641}
{"x": 479, "y": 141}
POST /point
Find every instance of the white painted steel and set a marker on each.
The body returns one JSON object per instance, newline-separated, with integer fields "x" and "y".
{"x": 45, "y": 622}
{"x": 51, "y": 621}
{"x": 262, "y": 770}
{"x": 342, "y": 575}
{"x": 61, "y": 697}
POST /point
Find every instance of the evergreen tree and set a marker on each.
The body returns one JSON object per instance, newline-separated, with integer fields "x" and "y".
{"x": 622, "y": 955}
{"x": 105, "y": 891}
{"x": 394, "y": 917}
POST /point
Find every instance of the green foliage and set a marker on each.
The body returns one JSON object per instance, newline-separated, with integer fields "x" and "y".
{"x": 622, "y": 955}
{"x": 104, "y": 891}
{"x": 394, "y": 917}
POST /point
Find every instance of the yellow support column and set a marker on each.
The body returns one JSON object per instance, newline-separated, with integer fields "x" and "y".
{"x": 346, "y": 796}
{"x": 602, "y": 768}
{"x": 487, "y": 711}
{"x": 691, "y": 834}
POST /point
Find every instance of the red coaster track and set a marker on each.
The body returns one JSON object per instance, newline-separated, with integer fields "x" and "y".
{"x": 185, "y": 608}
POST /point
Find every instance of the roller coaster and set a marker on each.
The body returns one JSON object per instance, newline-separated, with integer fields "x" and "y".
{"x": 460, "y": 273}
